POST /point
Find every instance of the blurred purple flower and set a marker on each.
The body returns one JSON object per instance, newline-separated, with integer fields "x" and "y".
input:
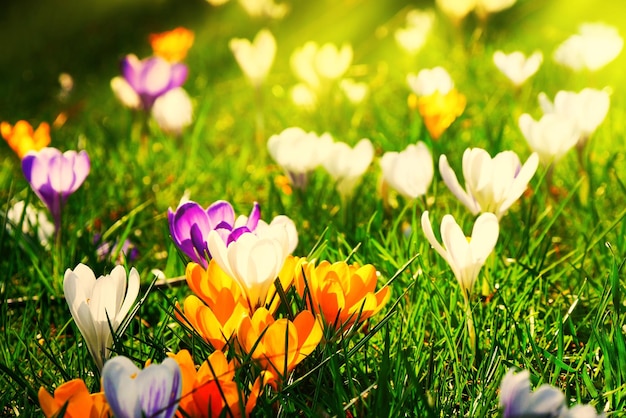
{"x": 152, "y": 392}
{"x": 190, "y": 225}
{"x": 152, "y": 77}
{"x": 107, "y": 250}
{"x": 54, "y": 175}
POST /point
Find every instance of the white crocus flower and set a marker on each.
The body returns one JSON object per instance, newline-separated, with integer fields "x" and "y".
{"x": 302, "y": 96}
{"x": 32, "y": 219}
{"x": 456, "y": 9}
{"x": 551, "y": 137}
{"x": 516, "y": 67}
{"x": 302, "y": 62}
{"x": 255, "y": 58}
{"x": 125, "y": 93}
{"x": 429, "y": 81}
{"x": 173, "y": 111}
{"x": 465, "y": 256}
{"x": 586, "y": 109}
{"x": 419, "y": 24}
{"x": 331, "y": 62}
{"x": 346, "y": 165}
{"x": 354, "y": 91}
{"x": 491, "y": 184}
{"x": 593, "y": 47}
{"x": 254, "y": 259}
{"x": 99, "y": 305}
{"x": 410, "y": 171}
{"x": 493, "y": 6}
{"x": 264, "y": 8}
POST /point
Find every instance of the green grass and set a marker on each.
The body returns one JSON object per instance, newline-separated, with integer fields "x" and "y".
{"x": 554, "y": 305}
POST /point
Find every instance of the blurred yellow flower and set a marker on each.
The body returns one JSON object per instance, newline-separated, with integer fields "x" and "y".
{"x": 172, "y": 45}
{"x": 440, "y": 110}
{"x": 341, "y": 293}
{"x": 75, "y": 399}
{"x": 21, "y": 137}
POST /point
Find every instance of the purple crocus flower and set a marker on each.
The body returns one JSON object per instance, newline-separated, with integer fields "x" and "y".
{"x": 132, "y": 393}
{"x": 190, "y": 225}
{"x": 152, "y": 77}
{"x": 54, "y": 175}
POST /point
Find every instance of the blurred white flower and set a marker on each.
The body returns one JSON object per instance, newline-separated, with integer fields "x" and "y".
{"x": 516, "y": 66}
{"x": 517, "y": 400}
{"x": 32, "y": 219}
{"x": 173, "y": 111}
{"x": 299, "y": 152}
{"x": 429, "y": 81}
{"x": 354, "y": 91}
{"x": 419, "y": 24}
{"x": 550, "y": 137}
{"x": 492, "y": 6}
{"x": 346, "y": 165}
{"x": 302, "y": 96}
{"x": 410, "y": 171}
{"x": 465, "y": 255}
{"x": 586, "y": 109}
{"x": 264, "y": 8}
{"x": 256, "y": 58}
{"x": 491, "y": 184}
{"x": 456, "y": 9}
{"x": 594, "y": 46}
{"x": 99, "y": 306}
{"x": 302, "y": 63}
{"x": 125, "y": 93}
{"x": 217, "y": 2}
{"x": 312, "y": 64}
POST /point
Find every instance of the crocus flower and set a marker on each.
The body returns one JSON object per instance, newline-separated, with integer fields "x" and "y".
{"x": 410, "y": 171}
{"x": 586, "y": 109}
{"x": 22, "y": 139}
{"x": 314, "y": 65}
{"x": 31, "y": 219}
{"x": 134, "y": 393}
{"x": 593, "y": 47}
{"x": 550, "y": 137}
{"x": 279, "y": 345}
{"x": 354, "y": 91}
{"x": 99, "y": 306}
{"x": 419, "y": 24}
{"x": 255, "y": 58}
{"x": 430, "y": 81}
{"x": 54, "y": 175}
{"x": 465, "y": 255}
{"x": 347, "y": 165}
{"x": 491, "y": 184}
{"x": 516, "y": 67}
{"x": 303, "y": 96}
{"x": 456, "y": 9}
{"x": 343, "y": 294}
{"x": 439, "y": 111}
{"x": 299, "y": 153}
{"x": 173, "y": 111}
{"x": 74, "y": 398}
{"x": 172, "y": 45}
{"x": 190, "y": 225}
{"x": 264, "y": 8}
{"x": 148, "y": 79}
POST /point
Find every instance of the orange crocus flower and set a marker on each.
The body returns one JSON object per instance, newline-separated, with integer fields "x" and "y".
{"x": 279, "y": 345}
{"x": 341, "y": 293}
{"x": 76, "y": 399}
{"x": 172, "y": 45}
{"x": 22, "y": 139}
{"x": 440, "y": 110}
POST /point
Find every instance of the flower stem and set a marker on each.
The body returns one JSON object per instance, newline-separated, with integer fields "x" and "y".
{"x": 469, "y": 322}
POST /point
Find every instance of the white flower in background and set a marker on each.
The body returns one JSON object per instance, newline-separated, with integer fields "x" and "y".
{"x": 354, "y": 91}
{"x": 256, "y": 58}
{"x": 586, "y": 109}
{"x": 594, "y": 46}
{"x": 551, "y": 137}
{"x": 493, "y": 6}
{"x": 264, "y": 8}
{"x": 217, "y": 2}
{"x": 491, "y": 184}
{"x": 99, "y": 305}
{"x": 429, "y": 81}
{"x": 465, "y": 255}
{"x": 516, "y": 66}
{"x": 299, "y": 152}
{"x": 410, "y": 171}
{"x": 31, "y": 219}
{"x": 346, "y": 165}
{"x": 302, "y": 63}
{"x": 419, "y": 24}
{"x": 456, "y": 9}
{"x": 173, "y": 111}
{"x": 313, "y": 64}
{"x": 302, "y": 96}
{"x": 125, "y": 93}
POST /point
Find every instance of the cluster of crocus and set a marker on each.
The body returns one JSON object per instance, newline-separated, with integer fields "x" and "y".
{"x": 22, "y": 138}
{"x": 436, "y": 99}
{"x": 593, "y": 47}
{"x": 516, "y": 66}
{"x": 410, "y": 172}
{"x": 413, "y": 36}
{"x": 517, "y": 400}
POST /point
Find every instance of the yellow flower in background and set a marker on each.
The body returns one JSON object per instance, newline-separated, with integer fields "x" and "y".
{"x": 278, "y": 345}
{"x": 22, "y": 139}
{"x": 74, "y": 397}
{"x": 172, "y": 45}
{"x": 439, "y": 110}
{"x": 341, "y": 293}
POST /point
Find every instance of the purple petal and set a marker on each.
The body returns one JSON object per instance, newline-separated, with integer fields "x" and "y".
{"x": 200, "y": 246}
{"x": 120, "y": 388}
{"x": 254, "y": 217}
{"x": 236, "y": 233}
{"x": 155, "y": 78}
{"x": 131, "y": 70}
{"x": 178, "y": 75}
{"x": 188, "y": 214}
{"x": 160, "y": 388}
{"x": 27, "y": 165}
{"x": 220, "y": 212}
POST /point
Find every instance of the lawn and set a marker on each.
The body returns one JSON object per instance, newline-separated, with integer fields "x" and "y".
{"x": 402, "y": 326}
